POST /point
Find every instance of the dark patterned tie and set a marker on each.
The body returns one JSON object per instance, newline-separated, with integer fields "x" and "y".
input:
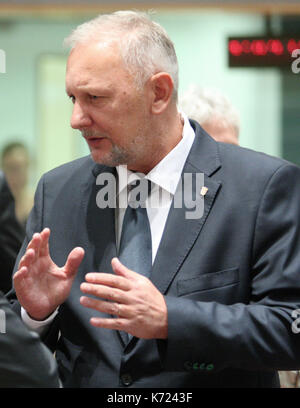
{"x": 135, "y": 250}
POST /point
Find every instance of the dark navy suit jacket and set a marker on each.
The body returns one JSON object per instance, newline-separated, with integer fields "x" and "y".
{"x": 25, "y": 362}
{"x": 11, "y": 235}
{"x": 231, "y": 279}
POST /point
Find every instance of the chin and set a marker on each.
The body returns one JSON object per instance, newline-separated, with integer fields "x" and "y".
{"x": 107, "y": 159}
{"x": 99, "y": 158}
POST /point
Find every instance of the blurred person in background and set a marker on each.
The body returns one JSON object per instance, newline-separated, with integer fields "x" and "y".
{"x": 15, "y": 162}
{"x": 11, "y": 235}
{"x": 213, "y": 111}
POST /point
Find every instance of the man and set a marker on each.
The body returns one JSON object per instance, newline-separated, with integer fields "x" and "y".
{"x": 11, "y": 235}
{"x": 216, "y": 307}
{"x": 214, "y": 112}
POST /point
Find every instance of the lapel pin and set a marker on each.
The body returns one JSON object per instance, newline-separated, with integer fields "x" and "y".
{"x": 203, "y": 191}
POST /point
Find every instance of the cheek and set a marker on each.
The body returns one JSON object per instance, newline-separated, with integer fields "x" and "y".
{"x": 122, "y": 119}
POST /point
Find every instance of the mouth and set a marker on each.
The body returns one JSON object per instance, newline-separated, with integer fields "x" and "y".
{"x": 94, "y": 141}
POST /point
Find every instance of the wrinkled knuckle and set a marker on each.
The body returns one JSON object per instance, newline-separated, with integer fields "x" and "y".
{"x": 121, "y": 324}
{"x": 114, "y": 280}
{"x": 140, "y": 316}
{"x": 115, "y": 309}
{"x": 112, "y": 296}
{"x": 140, "y": 283}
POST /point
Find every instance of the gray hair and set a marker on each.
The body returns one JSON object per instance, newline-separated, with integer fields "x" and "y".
{"x": 206, "y": 105}
{"x": 144, "y": 45}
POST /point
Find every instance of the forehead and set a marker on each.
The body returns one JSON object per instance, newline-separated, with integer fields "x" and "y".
{"x": 95, "y": 64}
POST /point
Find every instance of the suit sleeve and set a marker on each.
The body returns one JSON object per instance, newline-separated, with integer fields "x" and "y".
{"x": 35, "y": 224}
{"x": 24, "y": 360}
{"x": 11, "y": 235}
{"x": 257, "y": 335}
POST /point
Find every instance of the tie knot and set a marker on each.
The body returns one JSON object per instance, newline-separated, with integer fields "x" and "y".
{"x": 139, "y": 191}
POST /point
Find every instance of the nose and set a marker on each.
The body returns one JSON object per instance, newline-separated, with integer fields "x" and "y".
{"x": 80, "y": 118}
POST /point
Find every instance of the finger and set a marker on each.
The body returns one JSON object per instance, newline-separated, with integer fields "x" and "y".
{"x": 27, "y": 258}
{"x": 122, "y": 270}
{"x": 33, "y": 240}
{"x": 108, "y": 279}
{"x": 113, "y": 324}
{"x": 35, "y": 243}
{"x": 111, "y": 308}
{"x": 19, "y": 279}
{"x": 74, "y": 260}
{"x": 44, "y": 246}
{"x": 20, "y": 274}
{"x": 104, "y": 292}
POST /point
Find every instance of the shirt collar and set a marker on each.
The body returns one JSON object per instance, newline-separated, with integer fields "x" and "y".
{"x": 166, "y": 174}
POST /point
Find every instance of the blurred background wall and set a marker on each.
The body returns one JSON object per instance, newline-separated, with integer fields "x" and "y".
{"x": 35, "y": 109}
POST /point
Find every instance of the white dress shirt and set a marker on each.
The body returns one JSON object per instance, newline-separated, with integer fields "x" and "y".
{"x": 165, "y": 177}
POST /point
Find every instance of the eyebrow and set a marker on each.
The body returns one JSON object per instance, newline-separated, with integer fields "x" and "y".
{"x": 90, "y": 90}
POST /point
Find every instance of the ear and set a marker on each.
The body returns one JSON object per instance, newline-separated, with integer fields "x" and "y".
{"x": 162, "y": 89}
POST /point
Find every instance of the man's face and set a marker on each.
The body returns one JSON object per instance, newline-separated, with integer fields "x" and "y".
{"x": 111, "y": 113}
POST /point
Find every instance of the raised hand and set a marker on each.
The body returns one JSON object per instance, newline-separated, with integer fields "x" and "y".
{"x": 41, "y": 286}
{"x": 139, "y": 306}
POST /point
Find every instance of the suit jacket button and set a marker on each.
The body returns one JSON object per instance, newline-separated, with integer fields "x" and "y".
{"x": 126, "y": 379}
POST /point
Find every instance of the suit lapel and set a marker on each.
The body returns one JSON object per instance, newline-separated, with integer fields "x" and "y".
{"x": 184, "y": 224}
{"x": 101, "y": 221}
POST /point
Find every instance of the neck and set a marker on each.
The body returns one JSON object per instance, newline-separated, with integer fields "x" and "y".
{"x": 168, "y": 134}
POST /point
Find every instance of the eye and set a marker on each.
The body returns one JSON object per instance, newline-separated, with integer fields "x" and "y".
{"x": 72, "y": 98}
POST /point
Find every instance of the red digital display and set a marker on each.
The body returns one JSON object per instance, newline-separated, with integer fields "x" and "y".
{"x": 262, "y": 51}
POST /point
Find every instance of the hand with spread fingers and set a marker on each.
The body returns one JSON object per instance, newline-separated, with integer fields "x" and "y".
{"x": 139, "y": 307}
{"x": 41, "y": 286}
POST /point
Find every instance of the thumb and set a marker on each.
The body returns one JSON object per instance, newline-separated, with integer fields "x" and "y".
{"x": 74, "y": 260}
